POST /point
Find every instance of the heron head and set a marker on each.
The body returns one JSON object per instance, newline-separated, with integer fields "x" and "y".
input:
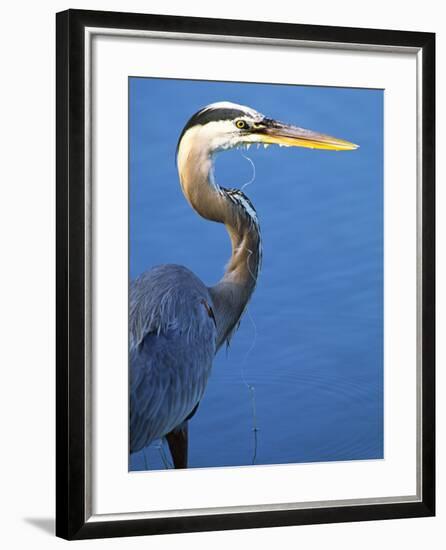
{"x": 226, "y": 125}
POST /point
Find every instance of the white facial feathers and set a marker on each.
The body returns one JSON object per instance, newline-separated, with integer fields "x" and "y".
{"x": 215, "y": 136}
{"x": 219, "y": 126}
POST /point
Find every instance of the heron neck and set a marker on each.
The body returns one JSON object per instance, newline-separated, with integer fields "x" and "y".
{"x": 232, "y": 293}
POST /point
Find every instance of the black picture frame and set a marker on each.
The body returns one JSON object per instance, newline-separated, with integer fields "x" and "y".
{"x": 71, "y": 518}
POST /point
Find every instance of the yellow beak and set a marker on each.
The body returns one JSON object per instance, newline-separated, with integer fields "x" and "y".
{"x": 276, "y": 133}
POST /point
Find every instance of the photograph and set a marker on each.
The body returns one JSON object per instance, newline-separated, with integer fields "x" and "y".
{"x": 245, "y": 273}
{"x": 256, "y": 274}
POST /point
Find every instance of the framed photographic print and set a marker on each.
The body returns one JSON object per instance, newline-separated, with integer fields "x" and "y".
{"x": 245, "y": 274}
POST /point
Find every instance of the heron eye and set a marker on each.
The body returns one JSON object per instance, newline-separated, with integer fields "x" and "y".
{"x": 241, "y": 124}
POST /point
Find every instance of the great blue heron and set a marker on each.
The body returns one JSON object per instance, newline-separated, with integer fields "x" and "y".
{"x": 177, "y": 323}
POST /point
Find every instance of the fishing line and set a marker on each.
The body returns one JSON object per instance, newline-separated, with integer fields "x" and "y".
{"x": 253, "y": 172}
{"x": 146, "y": 461}
{"x": 163, "y": 455}
{"x": 251, "y": 387}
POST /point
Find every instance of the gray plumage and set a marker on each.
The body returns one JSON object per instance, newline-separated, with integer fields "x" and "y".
{"x": 171, "y": 334}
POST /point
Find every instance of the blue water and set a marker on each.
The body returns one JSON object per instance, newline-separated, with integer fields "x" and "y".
{"x": 306, "y": 366}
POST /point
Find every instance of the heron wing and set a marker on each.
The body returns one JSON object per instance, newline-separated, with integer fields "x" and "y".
{"x": 172, "y": 335}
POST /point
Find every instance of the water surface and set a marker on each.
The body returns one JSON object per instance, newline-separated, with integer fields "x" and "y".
{"x": 305, "y": 368}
